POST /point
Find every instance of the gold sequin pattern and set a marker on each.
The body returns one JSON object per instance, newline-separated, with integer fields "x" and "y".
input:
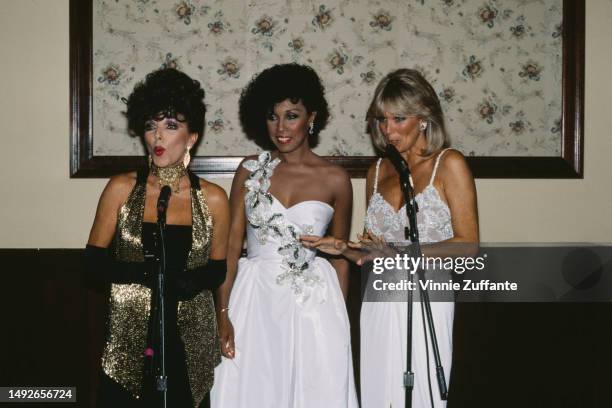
{"x": 127, "y": 327}
{"x": 128, "y": 239}
{"x": 201, "y": 230}
{"x": 198, "y": 327}
{"x": 130, "y": 304}
{"x": 169, "y": 176}
{"x": 196, "y": 318}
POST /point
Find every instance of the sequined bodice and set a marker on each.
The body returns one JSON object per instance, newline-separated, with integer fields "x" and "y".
{"x": 433, "y": 217}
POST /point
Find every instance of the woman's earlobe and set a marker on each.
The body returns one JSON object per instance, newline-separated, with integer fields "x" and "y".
{"x": 194, "y": 139}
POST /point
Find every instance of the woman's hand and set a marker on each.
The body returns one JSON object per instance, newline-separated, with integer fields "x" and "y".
{"x": 367, "y": 248}
{"x": 371, "y": 246}
{"x": 226, "y": 335}
{"x": 329, "y": 245}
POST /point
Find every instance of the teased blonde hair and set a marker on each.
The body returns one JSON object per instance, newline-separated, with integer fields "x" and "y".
{"x": 406, "y": 92}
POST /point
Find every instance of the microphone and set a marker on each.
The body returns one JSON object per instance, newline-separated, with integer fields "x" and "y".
{"x": 399, "y": 163}
{"x": 405, "y": 184}
{"x": 164, "y": 197}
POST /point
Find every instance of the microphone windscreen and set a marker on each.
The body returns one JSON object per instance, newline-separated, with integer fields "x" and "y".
{"x": 164, "y": 197}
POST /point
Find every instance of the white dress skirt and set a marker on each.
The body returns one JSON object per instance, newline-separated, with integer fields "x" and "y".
{"x": 383, "y": 324}
{"x": 292, "y": 335}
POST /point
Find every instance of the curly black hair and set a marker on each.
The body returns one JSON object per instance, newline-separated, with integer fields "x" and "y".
{"x": 166, "y": 93}
{"x": 276, "y": 84}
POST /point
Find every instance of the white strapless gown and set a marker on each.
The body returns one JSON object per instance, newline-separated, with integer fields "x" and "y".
{"x": 292, "y": 339}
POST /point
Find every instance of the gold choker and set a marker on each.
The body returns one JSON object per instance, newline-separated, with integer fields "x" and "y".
{"x": 169, "y": 176}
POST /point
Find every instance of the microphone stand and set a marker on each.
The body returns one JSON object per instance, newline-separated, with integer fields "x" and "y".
{"x": 412, "y": 233}
{"x": 161, "y": 379}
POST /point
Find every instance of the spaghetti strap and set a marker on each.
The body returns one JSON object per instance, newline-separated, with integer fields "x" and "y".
{"x": 376, "y": 176}
{"x": 433, "y": 173}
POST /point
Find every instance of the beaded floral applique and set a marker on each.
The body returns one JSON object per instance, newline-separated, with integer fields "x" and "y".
{"x": 269, "y": 224}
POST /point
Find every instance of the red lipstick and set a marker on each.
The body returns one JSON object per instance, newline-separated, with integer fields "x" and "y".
{"x": 159, "y": 150}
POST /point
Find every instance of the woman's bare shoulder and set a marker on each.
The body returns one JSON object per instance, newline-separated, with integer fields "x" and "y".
{"x": 249, "y": 157}
{"x": 215, "y": 194}
{"x": 333, "y": 173}
{"x": 119, "y": 187}
{"x": 453, "y": 160}
{"x": 453, "y": 166}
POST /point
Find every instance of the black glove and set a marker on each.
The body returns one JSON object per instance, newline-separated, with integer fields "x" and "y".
{"x": 102, "y": 269}
{"x": 188, "y": 283}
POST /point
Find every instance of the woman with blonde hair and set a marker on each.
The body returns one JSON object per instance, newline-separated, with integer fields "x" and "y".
{"x": 405, "y": 112}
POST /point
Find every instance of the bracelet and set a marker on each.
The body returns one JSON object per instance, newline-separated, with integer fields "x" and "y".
{"x": 225, "y": 309}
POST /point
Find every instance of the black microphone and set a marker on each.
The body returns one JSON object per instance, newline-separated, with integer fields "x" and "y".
{"x": 164, "y": 198}
{"x": 404, "y": 175}
{"x": 398, "y": 162}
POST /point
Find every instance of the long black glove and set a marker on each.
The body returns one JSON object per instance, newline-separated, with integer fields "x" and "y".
{"x": 102, "y": 269}
{"x": 188, "y": 283}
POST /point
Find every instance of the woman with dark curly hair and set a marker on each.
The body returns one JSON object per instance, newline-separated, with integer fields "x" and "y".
{"x": 292, "y": 343}
{"x": 167, "y": 111}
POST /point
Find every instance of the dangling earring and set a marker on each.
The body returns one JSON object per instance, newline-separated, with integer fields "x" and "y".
{"x": 150, "y": 160}
{"x": 311, "y": 128}
{"x": 423, "y": 126}
{"x": 187, "y": 157}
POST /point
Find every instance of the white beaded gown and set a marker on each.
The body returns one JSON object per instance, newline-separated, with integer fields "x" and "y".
{"x": 383, "y": 324}
{"x": 291, "y": 327}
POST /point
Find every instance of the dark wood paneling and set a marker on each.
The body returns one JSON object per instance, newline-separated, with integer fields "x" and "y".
{"x": 505, "y": 355}
{"x": 44, "y": 313}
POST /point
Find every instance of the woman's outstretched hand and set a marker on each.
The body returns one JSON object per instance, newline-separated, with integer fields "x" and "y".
{"x": 329, "y": 245}
{"x": 367, "y": 248}
{"x": 370, "y": 246}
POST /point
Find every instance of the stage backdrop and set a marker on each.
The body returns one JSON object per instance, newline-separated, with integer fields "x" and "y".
{"x": 508, "y": 72}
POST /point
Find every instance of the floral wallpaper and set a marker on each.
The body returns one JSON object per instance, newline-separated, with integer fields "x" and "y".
{"x": 496, "y": 64}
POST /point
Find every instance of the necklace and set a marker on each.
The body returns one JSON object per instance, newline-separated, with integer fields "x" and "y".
{"x": 169, "y": 176}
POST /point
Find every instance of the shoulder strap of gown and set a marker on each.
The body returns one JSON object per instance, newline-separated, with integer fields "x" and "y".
{"x": 376, "y": 175}
{"x": 433, "y": 173}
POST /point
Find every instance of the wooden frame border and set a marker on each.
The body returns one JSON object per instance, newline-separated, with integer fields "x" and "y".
{"x": 83, "y": 164}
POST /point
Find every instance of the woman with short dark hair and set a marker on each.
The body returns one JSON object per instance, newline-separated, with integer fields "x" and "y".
{"x": 167, "y": 111}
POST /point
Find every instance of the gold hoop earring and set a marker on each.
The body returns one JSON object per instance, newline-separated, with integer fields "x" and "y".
{"x": 186, "y": 158}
